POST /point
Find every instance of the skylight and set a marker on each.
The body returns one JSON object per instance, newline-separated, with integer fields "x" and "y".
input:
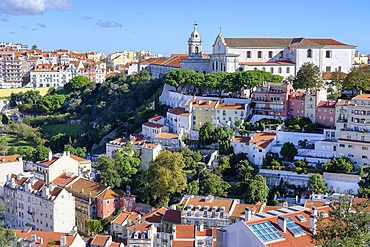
{"x": 301, "y": 218}
{"x": 266, "y": 232}
{"x": 323, "y": 214}
{"x": 294, "y": 228}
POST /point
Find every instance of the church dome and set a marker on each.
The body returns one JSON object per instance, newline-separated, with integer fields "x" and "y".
{"x": 195, "y": 35}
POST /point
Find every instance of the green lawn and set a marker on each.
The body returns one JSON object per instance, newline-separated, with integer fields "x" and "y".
{"x": 70, "y": 129}
{"x": 13, "y": 141}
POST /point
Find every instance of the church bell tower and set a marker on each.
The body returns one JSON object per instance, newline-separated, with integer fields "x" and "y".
{"x": 194, "y": 43}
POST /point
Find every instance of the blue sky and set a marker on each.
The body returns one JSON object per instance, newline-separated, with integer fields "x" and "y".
{"x": 163, "y": 26}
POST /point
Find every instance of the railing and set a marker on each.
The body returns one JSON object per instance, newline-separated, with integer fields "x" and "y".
{"x": 342, "y": 120}
{"x": 164, "y": 240}
{"x": 268, "y": 101}
{"x": 269, "y": 109}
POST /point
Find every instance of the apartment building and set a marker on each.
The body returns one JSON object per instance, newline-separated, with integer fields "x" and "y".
{"x": 10, "y": 164}
{"x": 202, "y": 111}
{"x": 213, "y": 212}
{"x": 149, "y": 151}
{"x": 93, "y": 200}
{"x": 191, "y": 235}
{"x": 325, "y": 113}
{"x": 141, "y": 235}
{"x": 178, "y": 120}
{"x": 104, "y": 241}
{"x": 168, "y": 140}
{"x": 29, "y": 237}
{"x": 41, "y": 206}
{"x": 50, "y": 168}
{"x": 228, "y": 113}
{"x": 136, "y": 140}
{"x": 312, "y": 99}
{"x": 271, "y": 99}
{"x": 121, "y": 222}
{"x": 296, "y": 104}
{"x": 11, "y": 71}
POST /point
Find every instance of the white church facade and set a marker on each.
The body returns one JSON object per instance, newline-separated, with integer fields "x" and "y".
{"x": 281, "y": 56}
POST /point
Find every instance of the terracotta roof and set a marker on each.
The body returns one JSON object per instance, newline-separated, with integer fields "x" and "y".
{"x": 173, "y": 216}
{"x": 46, "y": 237}
{"x": 166, "y": 135}
{"x": 154, "y": 216}
{"x": 326, "y": 104}
{"x": 329, "y": 75}
{"x": 215, "y": 202}
{"x": 243, "y": 139}
{"x": 110, "y": 193}
{"x": 295, "y": 95}
{"x": 55, "y": 192}
{"x": 153, "y": 125}
{"x": 290, "y": 240}
{"x": 268, "y": 208}
{"x": 202, "y": 103}
{"x": 277, "y": 63}
{"x": 230, "y": 106}
{"x": 179, "y": 111}
{"x": 183, "y": 243}
{"x": 136, "y": 140}
{"x": 362, "y": 97}
{"x": 22, "y": 180}
{"x": 343, "y": 102}
{"x": 9, "y": 159}
{"x": 263, "y": 139}
{"x": 87, "y": 186}
{"x": 307, "y": 192}
{"x": 239, "y": 209}
{"x": 155, "y": 118}
{"x": 124, "y": 216}
{"x": 310, "y": 204}
{"x": 150, "y": 145}
{"x": 77, "y": 158}
{"x": 100, "y": 240}
{"x": 140, "y": 227}
{"x": 48, "y": 162}
{"x": 63, "y": 179}
{"x": 185, "y": 231}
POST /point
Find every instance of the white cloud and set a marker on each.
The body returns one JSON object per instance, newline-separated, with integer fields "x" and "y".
{"x": 41, "y": 25}
{"x": 85, "y": 18}
{"x": 108, "y": 24}
{"x": 32, "y": 7}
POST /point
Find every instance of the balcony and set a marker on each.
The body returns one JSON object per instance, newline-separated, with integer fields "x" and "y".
{"x": 267, "y": 109}
{"x": 280, "y": 102}
{"x": 342, "y": 120}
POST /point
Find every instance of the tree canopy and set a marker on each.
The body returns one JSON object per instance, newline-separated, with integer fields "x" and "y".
{"x": 316, "y": 182}
{"x": 340, "y": 165}
{"x": 40, "y": 153}
{"x": 308, "y": 76}
{"x": 358, "y": 79}
{"x": 212, "y": 184}
{"x": 257, "y": 190}
{"x": 288, "y": 151}
{"x": 165, "y": 175}
{"x": 77, "y": 82}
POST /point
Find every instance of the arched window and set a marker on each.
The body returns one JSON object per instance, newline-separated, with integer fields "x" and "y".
{"x": 224, "y": 67}
{"x": 263, "y": 69}
{"x": 248, "y": 54}
{"x": 260, "y": 54}
{"x": 255, "y": 68}
{"x": 281, "y": 54}
{"x": 328, "y": 54}
{"x": 213, "y": 66}
{"x": 288, "y": 70}
{"x": 216, "y": 65}
{"x": 196, "y": 50}
{"x": 221, "y": 66}
{"x": 309, "y": 53}
{"x": 272, "y": 70}
{"x": 270, "y": 54}
{"x": 279, "y": 70}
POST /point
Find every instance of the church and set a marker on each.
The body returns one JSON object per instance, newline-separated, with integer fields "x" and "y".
{"x": 280, "y": 56}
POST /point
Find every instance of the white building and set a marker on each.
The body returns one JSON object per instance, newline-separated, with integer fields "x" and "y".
{"x": 31, "y": 203}
{"x": 178, "y": 120}
{"x": 11, "y": 164}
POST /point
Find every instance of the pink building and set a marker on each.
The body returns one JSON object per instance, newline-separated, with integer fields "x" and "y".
{"x": 296, "y": 104}
{"x": 325, "y": 113}
{"x": 272, "y": 99}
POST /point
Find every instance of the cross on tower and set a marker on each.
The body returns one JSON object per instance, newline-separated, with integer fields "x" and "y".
{"x": 195, "y": 24}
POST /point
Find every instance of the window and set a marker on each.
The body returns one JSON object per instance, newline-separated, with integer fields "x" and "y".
{"x": 364, "y": 148}
{"x": 200, "y": 123}
{"x": 281, "y": 54}
{"x": 260, "y": 54}
{"x": 200, "y": 116}
{"x": 309, "y": 53}
{"x": 279, "y": 71}
{"x": 288, "y": 70}
{"x": 272, "y": 70}
{"x": 350, "y": 146}
{"x": 364, "y": 156}
{"x": 263, "y": 69}
{"x": 340, "y": 68}
{"x": 248, "y": 54}
{"x": 270, "y": 54}
{"x": 328, "y": 54}
{"x": 328, "y": 69}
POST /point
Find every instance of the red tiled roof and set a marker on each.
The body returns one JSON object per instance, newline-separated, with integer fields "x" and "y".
{"x": 183, "y": 243}
{"x": 326, "y": 104}
{"x": 63, "y": 180}
{"x": 154, "y": 216}
{"x": 155, "y": 118}
{"x": 77, "y": 158}
{"x": 100, "y": 240}
{"x": 329, "y": 75}
{"x": 153, "y": 125}
{"x": 179, "y": 111}
{"x": 242, "y": 139}
{"x": 263, "y": 139}
{"x": 48, "y": 162}
{"x": 202, "y": 103}
{"x": 9, "y": 158}
{"x": 46, "y": 237}
{"x": 215, "y": 202}
{"x": 124, "y": 216}
{"x": 185, "y": 231}
{"x": 173, "y": 216}
{"x": 239, "y": 209}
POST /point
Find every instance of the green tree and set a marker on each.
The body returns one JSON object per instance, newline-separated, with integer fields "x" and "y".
{"x": 358, "y": 79}
{"x": 178, "y": 78}
{"x": 316, "y": 182}
{"x": 308, "y": 76}
{"x": 77, "y": 82}
{"x": 11, "y": 150}
{"x": 215, "y": 81}
{"x": 7, "y": 236}
{"x": 31, "y": 97}
{"x": 20, "y": 151}
{"x": 302, "y": 143}
{"x": 165, "y": 175}
{"x": 40, "y": 153}
{"x": 79, "y": 151}
{"x": 223, "y": 137}
{"x": 206, "y": 133}
{"x": 340, "y": 165}
{"x": 238, "y": 122}
{"x": 335, "y": 85}
{"x": 288, "y": 151}
{"x": 257, "y": 190}
{"x": 95, "y": 226}
{"x": 29, "y": 153}
{"x": 224, "y": 164}
{"x": 212, "y": 184}
{"x": 192, "y": 188}
{"x": 244, "y": 169}
{"x": 3, "y": 145}
{"x": 34, "y": 47}
{"x": 343, "y": 226}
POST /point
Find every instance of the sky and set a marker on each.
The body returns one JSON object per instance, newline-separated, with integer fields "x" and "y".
{"x": 162, "y": 26}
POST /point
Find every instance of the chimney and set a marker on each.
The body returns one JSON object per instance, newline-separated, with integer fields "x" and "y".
{"x": 201, "y": 227}
{"x": 50, "y": 155}
{"x": 314, "y": 211}
{"x": 41, "y": 241}
{"x": 29, "y": 186}
{"x": 64, "y": 153}
{"x": 82, "y": 190}
{"x": 313, "y": 219}
{"x": 138, "y": 217}
{"x": 248, "y": 214}
{"x": 19, "y": 158}
{"x": 45, "y": 192}
{"x": 12, "y": 181}
{"x": 174, "y": 231}
{"x": 33, "y": 181}
{"x": 282, "y": 223}
{"x": 33, "y": 238}
{"x": 68, "y": 153}
{"x": 63, "y": 240}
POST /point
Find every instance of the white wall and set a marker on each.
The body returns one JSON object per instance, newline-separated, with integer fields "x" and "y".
{"x": 294, "y": 137}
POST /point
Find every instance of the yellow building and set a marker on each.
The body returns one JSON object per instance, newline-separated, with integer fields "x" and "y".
{"x": 202, "y": 111}
{"x": 130, "y": 55}
{"x": 228, "y": 113}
